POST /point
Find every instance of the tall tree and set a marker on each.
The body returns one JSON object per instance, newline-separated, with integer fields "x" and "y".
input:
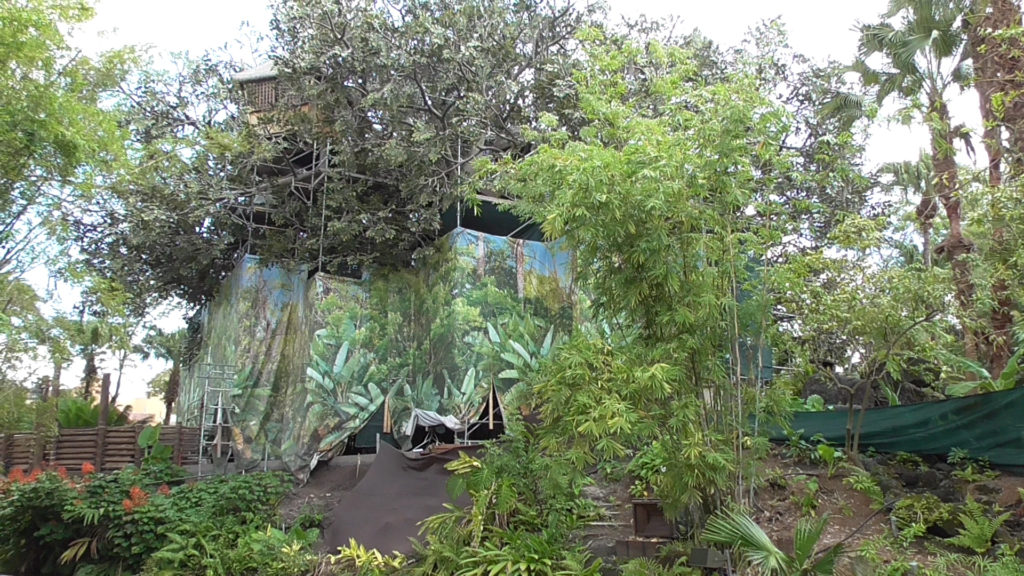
{"x": 408, "y": 94}
{"x": 170, "y": 347}
{"x": 163, "y": 227}
{"x": 997, "y": 51}
{"x": 824, "y": 179}
{"x": 57, "y": 141}
{"x": 924, "y": 56}
{"x": 55, "y": 137}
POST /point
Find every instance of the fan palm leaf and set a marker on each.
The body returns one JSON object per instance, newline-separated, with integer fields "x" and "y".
{"x": 737, "y": 531}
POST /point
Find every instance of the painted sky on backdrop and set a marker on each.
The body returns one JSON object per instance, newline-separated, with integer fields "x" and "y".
{"x": 822, "y": 29}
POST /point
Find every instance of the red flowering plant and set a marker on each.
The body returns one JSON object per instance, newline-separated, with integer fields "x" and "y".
{"x": 125, "y": 518}
{"x": 32, "y": 528}
{"x": 16, "y": 476}
{"x": 121, "y": 519}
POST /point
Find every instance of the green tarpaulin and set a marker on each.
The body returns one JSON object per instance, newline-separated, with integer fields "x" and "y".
{"x": 985, "y": 425}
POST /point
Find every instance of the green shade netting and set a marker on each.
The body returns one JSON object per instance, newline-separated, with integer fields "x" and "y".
{"x": 987, "y": 426}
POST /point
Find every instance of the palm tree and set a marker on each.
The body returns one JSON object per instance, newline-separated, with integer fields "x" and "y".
{"x": 736, "y": 531}
{"x": 168, "y": 346}
{"x": 997, "y": 59}
{"x": 915, "y": 177}
{"x": 924, "y": 54}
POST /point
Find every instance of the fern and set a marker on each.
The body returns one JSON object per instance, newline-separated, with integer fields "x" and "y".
{"x": 978, "y": 528}
{"x": 862, "y": 481}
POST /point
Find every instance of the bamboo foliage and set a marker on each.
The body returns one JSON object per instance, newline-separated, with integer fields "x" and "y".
{"x": 654, "y": 197}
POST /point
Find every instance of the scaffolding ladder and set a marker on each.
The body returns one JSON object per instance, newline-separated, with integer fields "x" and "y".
{"x": 215, "y": 439}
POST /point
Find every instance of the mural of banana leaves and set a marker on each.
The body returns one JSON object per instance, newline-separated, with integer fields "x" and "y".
{"x": 345, "y": 386}
{"x": 316, "y": 357}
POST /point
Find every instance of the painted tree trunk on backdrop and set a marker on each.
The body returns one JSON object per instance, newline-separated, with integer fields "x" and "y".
{"x": 481, "y": 256}
{"x": 520, "y": 251}
{"x": 956, "y": 246}
{"x": 997, "y": 63}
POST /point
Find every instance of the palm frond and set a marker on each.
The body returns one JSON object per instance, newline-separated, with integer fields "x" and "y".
{"x": 808, "y": 532}
{"x": 738, "y": 532}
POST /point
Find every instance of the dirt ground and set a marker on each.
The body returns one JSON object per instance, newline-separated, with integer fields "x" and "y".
{"x": 788, "y": 495}
{"x": 325, "y": 488}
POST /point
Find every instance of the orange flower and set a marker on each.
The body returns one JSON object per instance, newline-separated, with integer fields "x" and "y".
{"x": 128, "y": 506}
{"x": 138, "y": 497}
{"x": 33, "y": 476}
{"x": 164, "y": 490}
{"x": 88, "y": 468}
{"x": 62, "y": 472}
{"x": 17, "y": 475}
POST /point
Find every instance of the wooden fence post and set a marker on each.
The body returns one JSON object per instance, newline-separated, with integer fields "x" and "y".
{"x": 39, "y": 442}
{"x": 177, "y": 445}
{"x": 4, "y": 440}
{"x": 101, "y": 428}
{"x": 138, "y": 447}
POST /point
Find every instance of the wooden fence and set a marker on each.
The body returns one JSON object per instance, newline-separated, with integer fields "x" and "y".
{"x": 105, "y": 448}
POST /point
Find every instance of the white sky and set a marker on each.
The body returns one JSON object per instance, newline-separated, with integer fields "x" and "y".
{"x": 819, "y": 28}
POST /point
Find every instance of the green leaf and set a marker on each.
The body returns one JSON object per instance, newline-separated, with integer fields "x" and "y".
{"x": 149, "y": 436}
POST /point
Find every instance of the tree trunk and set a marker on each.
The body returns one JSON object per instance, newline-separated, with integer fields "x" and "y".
{"x": 956, "y": 246}
{"x": 90, "y": 373}
{"x": 926, "y": 242}
{"x": 57, "y": 369}
{"x": 171, "y": 394}
{"x": 1005, "y": 62}
{"x": 997, "y": 64}
{"x": 122, "y": 359}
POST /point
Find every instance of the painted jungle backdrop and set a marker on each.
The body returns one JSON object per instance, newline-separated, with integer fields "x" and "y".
{"x": 314, "y": 356}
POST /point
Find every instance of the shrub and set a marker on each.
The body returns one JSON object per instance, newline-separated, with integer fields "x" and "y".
{"x": 978, "y": 527}
{"x": 33, "y": 532}
{"x": 525, "y": 503}
{"x": 113, "y": 523}
{"x": 75, "y": 412}
{"x": 916, "y": 513}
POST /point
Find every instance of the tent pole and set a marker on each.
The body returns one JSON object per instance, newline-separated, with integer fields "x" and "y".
{"x": 490, "y": 408}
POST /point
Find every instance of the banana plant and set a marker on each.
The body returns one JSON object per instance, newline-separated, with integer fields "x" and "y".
{"x": 345, "y": 386}
{"x": 983, "y": 381}
{"x": 462, "y": 399}
{"x": 520, "y": 356}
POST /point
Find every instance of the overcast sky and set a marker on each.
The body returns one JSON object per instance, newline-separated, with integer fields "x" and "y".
{"x": 819, "y": 28}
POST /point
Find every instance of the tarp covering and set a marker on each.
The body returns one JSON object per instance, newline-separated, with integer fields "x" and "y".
{"x": 430, "y": 418}
{"x": 384, "y": 510}
{"x": 309, "y": 359}
{"x": 985, "y": 425}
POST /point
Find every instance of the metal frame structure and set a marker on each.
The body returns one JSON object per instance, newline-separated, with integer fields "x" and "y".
{"x": 215, "y": 436}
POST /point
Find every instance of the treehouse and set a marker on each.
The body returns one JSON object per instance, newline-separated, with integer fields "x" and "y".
{"x": 308, "y": 364}
{"x": 289, "y": 162}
